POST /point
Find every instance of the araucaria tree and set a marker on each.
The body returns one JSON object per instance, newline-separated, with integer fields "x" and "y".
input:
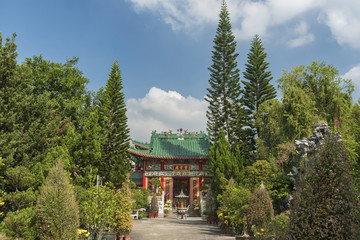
{"x": 57, "y": 212}
{"x": 224, "y": 91}
{"x": 324, "y": 202}
{"x": 257, "y": 86}
{"x": 116, "y": 131}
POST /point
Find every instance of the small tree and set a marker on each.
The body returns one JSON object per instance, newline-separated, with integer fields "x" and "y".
{"x": 56, "y": 208}
{"x": 140, "y": 198}
{"x": 260, "y": 209}
{"x": 123, "y": 219}
{"x": 324, "y": 202}
{"x": 99, "y": 210}
{"x": 156, "y": 182}
{"x": 154, "y": 207}
{"x": 233, "y": 205}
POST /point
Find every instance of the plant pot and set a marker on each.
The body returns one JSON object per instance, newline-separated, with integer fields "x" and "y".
{"x": 153, "y": 215}
{"x": 124, "y": 237}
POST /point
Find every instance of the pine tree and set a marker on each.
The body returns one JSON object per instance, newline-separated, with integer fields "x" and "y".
{"x": 224, "y": 165}
{"x": 258, "y": 88}
{"x": 224, "y": 92}
{"x": 56, "y": 208}
{"x": 324, "y": 202}
{"x": 116, "y": 131}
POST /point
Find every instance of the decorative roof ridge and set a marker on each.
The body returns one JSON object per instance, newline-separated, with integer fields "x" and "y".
{"x": 141, "y": 145}
{"x": 161, "y": 157}
{"x": 180, "y": 134}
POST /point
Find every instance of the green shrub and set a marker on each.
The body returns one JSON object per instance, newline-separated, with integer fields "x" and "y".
{"x": 154, "y": 208}
{"x": 139, "y": 197}
{"x": 57, "y": 211}
{"x": 260, "y": 211}
{"x": 324, "y": 202}
{"x": 233, "y": 204}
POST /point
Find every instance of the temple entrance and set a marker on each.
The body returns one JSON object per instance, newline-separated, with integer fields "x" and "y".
{"x": 181, "y": 184}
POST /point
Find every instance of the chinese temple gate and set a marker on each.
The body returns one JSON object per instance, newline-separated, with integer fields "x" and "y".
{"x": 178, "y": 159}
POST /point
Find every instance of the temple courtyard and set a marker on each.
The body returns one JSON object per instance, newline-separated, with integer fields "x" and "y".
{"x": 176, "y": 229}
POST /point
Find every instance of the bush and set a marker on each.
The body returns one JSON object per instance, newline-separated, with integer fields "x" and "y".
{"x": 233, "y": 204}
{"x": 260, "y": 211}
{"x": 154, "y": 208}
{"x": 324, "y": 202}
{"x": 57, "y": 211}
{"x": 279, "y": 226}
{"x": 139, "y": 197}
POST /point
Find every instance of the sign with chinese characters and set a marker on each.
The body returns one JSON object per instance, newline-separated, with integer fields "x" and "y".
{"x": 181, "y": 167}
{"x": 177, "y": 174}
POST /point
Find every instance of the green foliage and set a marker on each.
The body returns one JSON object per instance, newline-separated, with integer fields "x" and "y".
{"x": 20, "y": 224}
{"x": 19, "y": 178}
{"x": 224, "y": 91}
{"x": 85, "y": 150}
{"x": 324, "y": 202}
{"x": 57, "y": 213}
{"x": 64, "y": 82}
{"x": 279, "y": 225}
{"x": 140, "y": 198}
{"x": 224, "y": 164}
{"x": 259, "y": 172}
{"x": 233, "y": 205}
{"x": 270, "y": 124}
{"x": 116, "y": 131}
{"x": 260, "y": 211}
{"x": 156, "y": 182}
{"x": 312, "y": 94}
{"x": 98, "y": 210}
{"x": 154, "y": 206}
{"x": 19, "y": 220}
{"x": 21, "y": 199}
{"x": 257, "y": 87}
{"x": 123, "y": 218}
{"x": 107, "y": 209}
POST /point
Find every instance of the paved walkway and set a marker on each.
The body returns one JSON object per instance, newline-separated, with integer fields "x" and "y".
{"x": 192, "y": 228}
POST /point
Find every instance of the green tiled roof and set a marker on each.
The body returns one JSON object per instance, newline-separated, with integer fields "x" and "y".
{"x": 174, "y": 146}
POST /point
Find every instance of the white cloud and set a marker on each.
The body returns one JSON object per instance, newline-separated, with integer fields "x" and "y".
{"x": 343, "y": 19}
{"x": 251, "y": 17}
{"x": 354, "y": 75}
{"x": 301, "y": 34}
{"x": 160, "y": 110}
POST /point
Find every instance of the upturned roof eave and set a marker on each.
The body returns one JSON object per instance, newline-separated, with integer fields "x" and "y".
{"x": 166, "y": 158}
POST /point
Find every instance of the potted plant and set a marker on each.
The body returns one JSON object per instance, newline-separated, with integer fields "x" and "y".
{"x": 154, "y": 207}
{"x": 166, "y": 212}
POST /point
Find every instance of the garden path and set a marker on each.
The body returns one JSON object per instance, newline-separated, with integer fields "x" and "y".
{"x": 192, "y": 228}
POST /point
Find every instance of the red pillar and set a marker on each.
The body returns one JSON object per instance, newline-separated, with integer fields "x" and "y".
{"x": 144, "y": 178}
{"x": 162, "y": 177}
{"x": 200, "y": 178}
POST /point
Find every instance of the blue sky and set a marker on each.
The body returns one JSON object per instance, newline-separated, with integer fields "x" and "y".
{"x": 164, "y": 46}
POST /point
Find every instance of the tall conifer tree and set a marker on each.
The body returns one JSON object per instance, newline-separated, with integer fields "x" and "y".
{"x": 257, "y": 87}
{"x": 116, "y": 131}
{"x": 224, "y": 92}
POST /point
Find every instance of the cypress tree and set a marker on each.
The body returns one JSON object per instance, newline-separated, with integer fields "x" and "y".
{"x": 116, "y": 131}
{"x": 257, "y": 87}
{"x": 56, "y": 208}
{"x": 224, "y": 91}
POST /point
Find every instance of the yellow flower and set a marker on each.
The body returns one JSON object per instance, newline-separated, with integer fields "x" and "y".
{"x": 262, "y": 230}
